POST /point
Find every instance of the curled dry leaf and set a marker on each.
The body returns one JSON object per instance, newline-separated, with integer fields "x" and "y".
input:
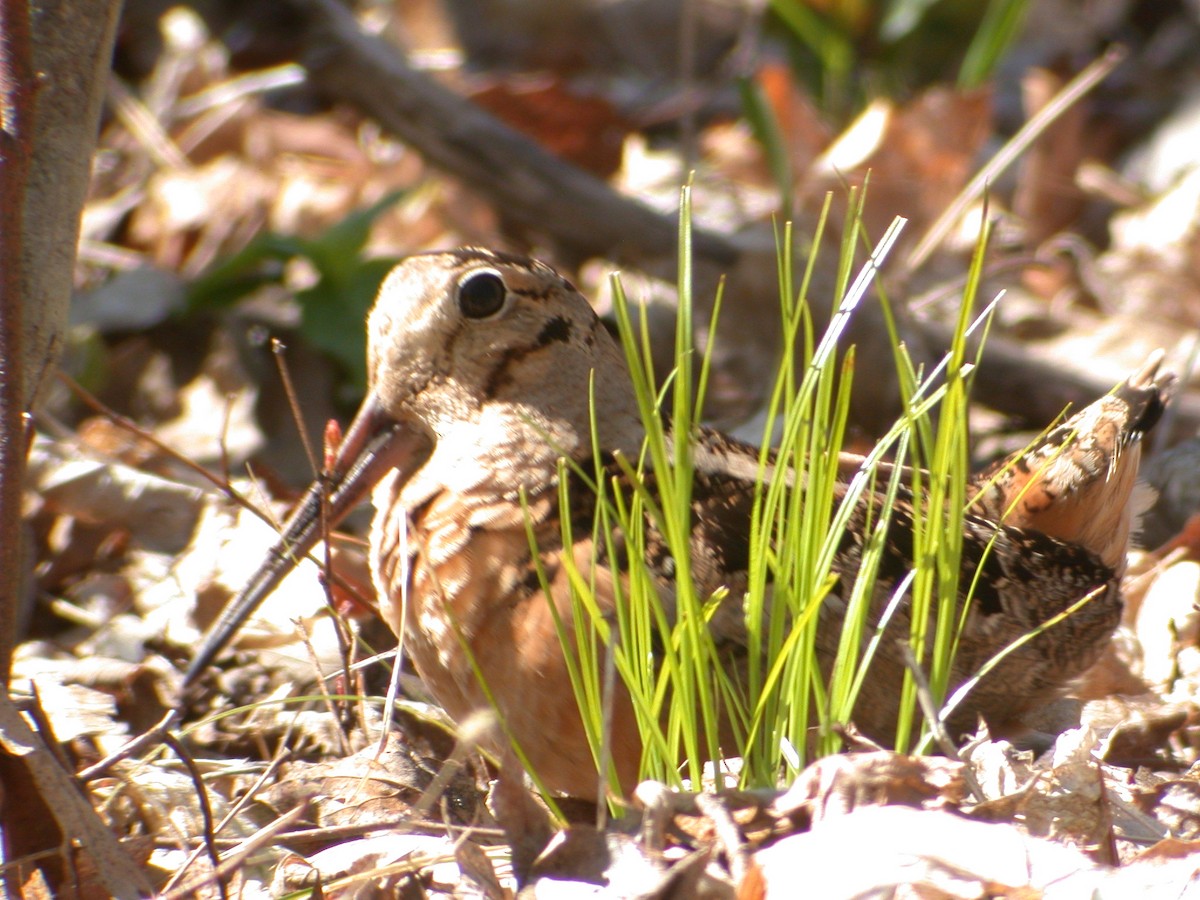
{"x": 1143, "y": 736}
{"x": 373, "y": 787}
{"x": 159, "y": 514}
{"x": 838, "y": 785}
{"x": 1068, "y": 804}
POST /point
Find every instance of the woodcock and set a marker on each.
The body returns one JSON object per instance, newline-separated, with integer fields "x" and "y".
{"x": 482, "y": 366}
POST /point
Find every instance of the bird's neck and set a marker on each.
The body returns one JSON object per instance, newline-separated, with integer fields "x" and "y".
{"x": 506, "y": 449}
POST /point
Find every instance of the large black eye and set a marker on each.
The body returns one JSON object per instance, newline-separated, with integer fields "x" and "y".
{"x": 481, "y": 295}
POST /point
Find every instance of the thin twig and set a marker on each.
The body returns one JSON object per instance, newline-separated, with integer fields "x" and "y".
{"x": 925, "y": 699}
{"x": 469, "y": 735}
{"x": 237, "y": 807}
{"x": 224, "y": 443}
{"x": 263, "y": 837}
{"x": 323, "y": 688}
{"x": 332, "y": 443}
{"x": 936, "y": 725}
{"x": 224, "y": 487}
{"x": 205, "y": 807}
{"x": 289, "y": 390}
{"x": 153, "y": 735}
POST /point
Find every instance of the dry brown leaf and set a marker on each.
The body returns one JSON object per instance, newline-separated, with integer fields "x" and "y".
{"x": 926, "y": 853}
{"x": 371, "y": 786}
{"x": 838, "y": 785}
{"x": 478, "y": 868}
{"x": 585, "y": 130}
{"x": 159, "y": 514}
{"x": 922, "y": 157}
{"x": 1068, "y": 804}
{"x": 1047, "y": 197}
{"x": 1143, "y": 737}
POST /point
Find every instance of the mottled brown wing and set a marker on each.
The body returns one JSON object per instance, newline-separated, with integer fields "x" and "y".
{"x": 1076, "y": 483}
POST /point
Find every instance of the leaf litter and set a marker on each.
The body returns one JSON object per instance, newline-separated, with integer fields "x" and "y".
{"x": 134, "y": 553}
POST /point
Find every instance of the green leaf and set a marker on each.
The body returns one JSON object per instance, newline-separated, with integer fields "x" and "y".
{"x": 337, "y": 253}
{"x": 1000, "y": 26}
{"x": 227, "y": 281}
{"x": 332, "y": 316}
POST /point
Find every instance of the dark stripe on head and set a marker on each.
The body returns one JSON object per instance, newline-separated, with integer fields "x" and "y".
{"x": 557, "y": 329}
{"x": 479, "y": 254}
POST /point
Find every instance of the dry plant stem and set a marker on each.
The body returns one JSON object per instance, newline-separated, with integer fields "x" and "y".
{"x": 123, "y": 422}
{"x": 441, "y": 780}
{"x": 145, "y": 128}
{"x": 224, "y": 445}
{"x": 925, "y": 698}
{"x": 153, "y": 735}
{"x": 26, "y": 861}
{"x": 929, "y": 708}
{"x": 205, "y": 808}
{"x": 234, "y": 810}
{"x": 467, "y": 742}
{"x": 656, "y": 800}
{"x": 335, "y": 833}
{"x": 16, "y": 107}
{"x": 727, "y": 833}
{"x": 323, "y": 688}
{"x": 534, "y": 190}
{"x": 345, "y": 637}
{"x": 340, "y": 629}
{"x": 289, "y": 391}
{"x": 1071, "y": 93}
{"x": 231, "y": 90}
{"x": 265, "y": 837}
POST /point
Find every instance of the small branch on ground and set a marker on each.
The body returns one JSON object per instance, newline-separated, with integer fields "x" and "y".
{"x": 530, "y": 188}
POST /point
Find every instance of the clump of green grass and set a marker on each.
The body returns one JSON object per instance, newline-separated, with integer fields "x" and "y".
{"x": 781, "y": 710}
